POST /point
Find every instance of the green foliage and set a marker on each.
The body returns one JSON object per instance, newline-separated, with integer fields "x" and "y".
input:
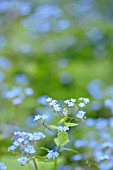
{"x": 70, "y": 124}
{"x": 62, "y": 139}
{"x": 53, "y": 126}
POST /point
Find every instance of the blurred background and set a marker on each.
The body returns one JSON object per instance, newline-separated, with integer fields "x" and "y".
{"x": 60, "y": 49}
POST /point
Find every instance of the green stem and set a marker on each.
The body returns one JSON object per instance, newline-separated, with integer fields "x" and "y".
{"x": 36, "y": 167}
{"x": 48, "y": 127}
{"x": 55, "y": 161}
{"x": 55, "y": 164}
{"x": 59, "y": 149}
{"x": 60, "y": 115}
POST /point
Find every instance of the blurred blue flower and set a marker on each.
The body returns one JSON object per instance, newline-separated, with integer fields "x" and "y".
{"x": 94, "y": 88}
{"x": 2, "y": 76}
{"x": 42, "y": 99}
{"x": 21, "y": 79}
{"x": 80, "y": 143}
{"x": 66, "y": 78}
{"x": 77, "y": 157}
{"x": 2, "y": 166}
{"x": 62, "y": 62}
{"x": 5, "y": 64}
{"x": 29, "y": 91}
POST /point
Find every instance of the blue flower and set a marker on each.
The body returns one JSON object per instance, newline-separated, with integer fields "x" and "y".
{"x": 63, "y": 128}
{"x": 81, "y": 105}
{"x": 23, "y": 160}
{"x": 29, "y": 149}
{"x": 52, "y": 154}
{"x": 85, "y": 100}
{"x": 80, "y": 114}
{"x": 24, "y": 140}
{"x": 12, "y": 148}
{"x": 2, "y": 166}
{"x": 70, "y": 102}
{"x": 39, "y": 117}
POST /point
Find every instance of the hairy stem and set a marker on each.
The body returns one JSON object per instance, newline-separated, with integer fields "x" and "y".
{"x": 35, "y": 165}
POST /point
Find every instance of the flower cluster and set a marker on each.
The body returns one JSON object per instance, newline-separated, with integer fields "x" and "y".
{"x": 52, "y": 154}
{"x": 80, "y": 114}
{"x": 65, "y": 111}
{"x": 23, "y": 141}
{"x": 39, "y": 117}
{"x": 103, "y": 158}
{"x": 83, "y": 102}
{"x": 100, "y": 143}
{"x": 2, "y": 166}
{"x": 70, "y": 102}
{"x": 23, "y": 160}
{"x": 53, "y": 103}
{"x": 17, "y": 94}
{"x": 67, "y": 106}
{"x": 63, "y": 128}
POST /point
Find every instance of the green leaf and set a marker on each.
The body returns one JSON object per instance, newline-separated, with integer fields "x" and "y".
{"x": 41, "y": 159}
{"x": 62, "y": 139}
{"x": 53, "y": 126}
{"x": 71, "y": 124}
{"x": 71, "y": 150}
{"x": 56, "y": 141}
{"x": 43, "y": 148}
{"x": 62, "y": 120}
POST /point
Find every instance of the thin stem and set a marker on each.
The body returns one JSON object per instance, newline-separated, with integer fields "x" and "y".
{"x": 87, "y": 161}
{"x": 71, "y": 118}
{"x": 60, "y": 115}
{"x": 78, "y": 110}
{"x": 55, "y": 164}
{"x": 48, "y": 127}
{"x": 71, "y": 150}
{"x": 36, "y": 167}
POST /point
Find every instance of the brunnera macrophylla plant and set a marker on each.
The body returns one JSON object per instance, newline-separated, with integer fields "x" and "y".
{"x": 69, "y": 114}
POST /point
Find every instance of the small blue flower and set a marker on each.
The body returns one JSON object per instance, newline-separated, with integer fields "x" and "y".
{"x": 23, "y": 160}
{"x": 16, "y": 143}
{"x": 52, "y": 154}
{"x": 80, "y": 114}
{"x": 57, "y": 108}
{"x": 39, "y": 117}
{"x": 29, "y": 149}
{"x": 81, "y": 105}
{"x": 29, "y": 91}
{"x": 49, "y": 99}
{"x": 103, "y": 158}
{"x": 63, "y": 128}
{"x": 12, "y": 148}
{"x": 24, "y": 141}
{"x": 70, "y": 103}
{"x": 85, "y": 100}
{"x": 17, "y": 101}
